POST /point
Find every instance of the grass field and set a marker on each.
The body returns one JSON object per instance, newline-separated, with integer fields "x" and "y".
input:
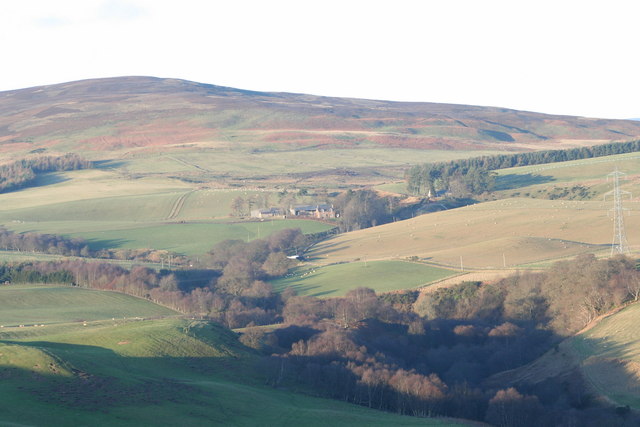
{"x": 393, "y": 187}
{"x": 381, "y": 276}
{"x": 28, "y": 305}
{"x": 610, "y": 356}
{"x": 162, "y": 204}
{"x": 168, "y": 371}
{"x": 498, "y": 234}
{"x": 193, "y": 239}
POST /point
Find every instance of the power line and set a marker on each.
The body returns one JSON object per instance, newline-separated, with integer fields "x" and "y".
{"x": 619, "y": 244}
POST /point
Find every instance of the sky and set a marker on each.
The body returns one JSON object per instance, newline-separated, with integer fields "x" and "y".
{"x": 558, "y": 57}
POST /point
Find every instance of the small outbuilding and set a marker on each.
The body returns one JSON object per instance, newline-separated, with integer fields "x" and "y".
{"x": 267, "y": 213}
{"x": 320, "y": 211}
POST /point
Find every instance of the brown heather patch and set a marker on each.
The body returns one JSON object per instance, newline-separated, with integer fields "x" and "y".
{"x": 148, "y": 136}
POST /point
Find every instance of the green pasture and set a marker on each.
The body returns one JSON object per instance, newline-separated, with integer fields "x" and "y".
{"x": 53, "y": 191}
{"x": 185, "y": 238}
{"x": 381, "y": 276}
{"x": 110, "y": 210}
{"x": 165, "y": 205}
{"x": 394, "y": 187}
{"x": 147, "y": 207}
{"x": 165, "y": 372}
{"x": 36, "y": 304}
{"x": 609, "y": 354}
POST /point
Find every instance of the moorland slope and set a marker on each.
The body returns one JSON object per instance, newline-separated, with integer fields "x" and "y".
{"x": 128, "y": 113}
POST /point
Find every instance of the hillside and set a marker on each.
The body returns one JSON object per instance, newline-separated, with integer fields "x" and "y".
{"x": 173, "y": 155}
{"x": 610, "y": 358}
{"x": 548, "y": 212}
{"x": 133, "y": 113}
{"x": 503, "y": 233}
{"x": 133, "y": 371}
{"x": 606, "y": 356}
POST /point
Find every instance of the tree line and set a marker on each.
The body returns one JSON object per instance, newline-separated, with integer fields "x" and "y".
{"x": 22, "y": 173}
{"x": 473, "y": 175}
{"x": 459, "y": 179}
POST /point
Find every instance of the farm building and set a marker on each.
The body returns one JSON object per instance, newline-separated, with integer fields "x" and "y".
{"x": 314, "y": 211}
{"x": 267, "y": 213}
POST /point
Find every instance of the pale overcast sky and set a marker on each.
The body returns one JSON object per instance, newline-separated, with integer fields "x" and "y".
{"x": 559, "y": 56}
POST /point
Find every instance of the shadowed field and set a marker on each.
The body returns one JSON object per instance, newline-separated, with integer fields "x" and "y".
{"x": 609, "y": 354}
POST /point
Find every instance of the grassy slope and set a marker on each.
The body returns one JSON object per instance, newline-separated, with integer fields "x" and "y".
{"x": 39, "y": 304}
{"x": 609, "y": 354}
{"x": 526, "y": 230}
{"x": 168, "y": 371}
{"x": 381, "y": 276}
{"x": 277, "y": 161}
{"x": 591, "y": 173}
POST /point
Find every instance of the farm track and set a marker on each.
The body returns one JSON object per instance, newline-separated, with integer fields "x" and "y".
{"x": 184, "y": 162}
{"x": 178, "y": 205}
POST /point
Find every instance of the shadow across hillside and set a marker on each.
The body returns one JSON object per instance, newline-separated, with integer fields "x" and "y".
{"x": 513, "y": 181}
{"x": 102, "y": 379}
{"x": 108, "y": 164}
{"x": 610, "y": 367}
{"x": 98, "y": 244}
{"x": 106, "y": 388}
{"x": 41, "y": 180}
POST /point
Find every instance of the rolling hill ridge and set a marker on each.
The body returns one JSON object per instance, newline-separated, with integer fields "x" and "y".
{"x": 147, "y": 113}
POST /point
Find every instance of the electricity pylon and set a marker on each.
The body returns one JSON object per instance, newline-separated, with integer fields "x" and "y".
{"x": 619, "y": 244}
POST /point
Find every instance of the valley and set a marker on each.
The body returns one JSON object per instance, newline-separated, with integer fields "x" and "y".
{"x": 401, "y": 309}
{"x": 145, "y": 365}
